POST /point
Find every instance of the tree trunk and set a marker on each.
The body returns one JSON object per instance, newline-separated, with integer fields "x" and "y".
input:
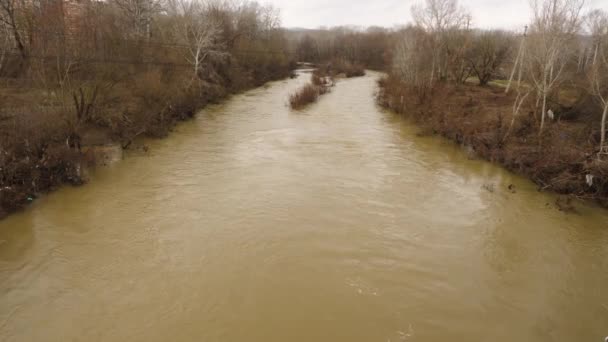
{"x": 513, "y": 71}
{"x": 483, "y": 79}
{"x": 18, "y": 40}
{"x": 544, "y": 113}
{"x": 603, "y": 147}
{"x": 518, "y": 61}
{"x": 432, "y": 72}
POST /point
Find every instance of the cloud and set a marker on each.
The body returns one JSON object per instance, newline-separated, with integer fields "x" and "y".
{"x": 506, "y": 14}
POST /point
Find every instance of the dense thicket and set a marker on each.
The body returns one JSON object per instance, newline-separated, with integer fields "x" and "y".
{"x": 546, "y": 112}
{"x": 371, "y": 47}
{"x": 85, "y": 72}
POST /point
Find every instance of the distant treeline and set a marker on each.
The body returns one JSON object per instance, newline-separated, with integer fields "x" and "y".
{"x": 370, "y": 47}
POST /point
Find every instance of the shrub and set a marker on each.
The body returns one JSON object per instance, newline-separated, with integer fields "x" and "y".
{"x": 355, "y": 70}
{"x": 347, "y": 68}
{"x": 317, "y": 80}
{"x": 306, "y": 95}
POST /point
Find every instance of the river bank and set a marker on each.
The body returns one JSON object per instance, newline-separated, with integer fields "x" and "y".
{"x": 243, "y": 220}
{"x": 36, "y": 159}
{"x": 562, "y": 160}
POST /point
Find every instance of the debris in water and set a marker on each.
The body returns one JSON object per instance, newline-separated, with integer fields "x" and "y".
{"x": 511, "y": 188}
{"x": 489, "y": 187}
{"x": 404, "y": 336}
{"x": 564, "y": 203}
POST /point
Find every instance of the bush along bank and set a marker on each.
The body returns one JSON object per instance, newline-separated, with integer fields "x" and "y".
{"x": 563, "y": 160}
{"x": 56, "y": 155}
{"x": 323, "y": 78}
{"x": 107, "y": 79}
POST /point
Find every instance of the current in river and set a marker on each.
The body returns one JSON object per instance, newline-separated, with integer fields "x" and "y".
{"x": 254, "y": 222}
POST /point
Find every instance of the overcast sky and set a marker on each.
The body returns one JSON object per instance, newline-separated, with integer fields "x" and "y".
{"x": 506, "y": 14}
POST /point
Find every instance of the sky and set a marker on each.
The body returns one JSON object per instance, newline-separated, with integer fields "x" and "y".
{"x": 504, "y": 14}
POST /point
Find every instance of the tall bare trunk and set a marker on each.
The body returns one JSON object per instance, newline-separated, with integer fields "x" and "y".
{"x": 513, "y": 71}
{"x": 521, "y": 68}
{"x": 603, "y": 147}
{"x": 518, "y": 61}
{"x": 432, "y": 73}
{"x": 544, "y": 113}
{"x": 519, "y": 101}
{"x": 597, "y": 46}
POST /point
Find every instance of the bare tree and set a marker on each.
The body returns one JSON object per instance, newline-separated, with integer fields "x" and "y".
{"x": 519, "y": 60}
{"x": 139, "y": 14}
{"x": 11, "y": 17}
{"x": 489, "y": 52}
{"x": 554, "y": 26}
{"x": 5, "y": 45}
{"x": 438, "y": 17}
{"x": 410, "y": 61}
{"x": 458, "y": 44}
{"x": 599, "y": 75}
{"x": 270, "y": 19}
{"x": 307, "y": 49}
{"x": 520, "y": 99}
{"x": 199, "y": 32}
{"x": 597, "y": 26}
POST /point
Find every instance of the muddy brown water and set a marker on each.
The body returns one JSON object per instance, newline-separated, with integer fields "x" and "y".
{"x": 337, "y": 223}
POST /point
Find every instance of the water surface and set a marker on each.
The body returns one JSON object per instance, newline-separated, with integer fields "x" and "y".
{"x": 336, "y": 223}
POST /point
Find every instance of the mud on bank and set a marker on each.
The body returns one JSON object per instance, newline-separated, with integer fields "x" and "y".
{"x": 563, "y": 159}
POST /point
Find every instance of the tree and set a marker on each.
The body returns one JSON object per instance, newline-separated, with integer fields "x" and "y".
{"x": 599, "y": 69}
{"x": 5, "y": 46}
{"x": 597, "y": 26}
{"x": 458, "y": 44}
{"x": 410, "y": 62}
{"x": 439, "y": 17}
{"x": 489, "y": 51}
{"x": 198, "y": 33}
{"x": 519, "y": 60}
{"x": 554, "y": 28}
{"x": 138, "y": 14}
{"x": 307, "y": 49}
{"x": 12, "y": 18}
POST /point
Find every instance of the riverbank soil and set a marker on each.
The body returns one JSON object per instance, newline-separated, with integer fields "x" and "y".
{"x": 563, "y": 159}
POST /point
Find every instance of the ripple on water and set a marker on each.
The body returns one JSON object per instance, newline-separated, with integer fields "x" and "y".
{"x": 257, "y": 223}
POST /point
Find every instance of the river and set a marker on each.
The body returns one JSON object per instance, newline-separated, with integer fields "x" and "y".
{"x": 337, "y": 223}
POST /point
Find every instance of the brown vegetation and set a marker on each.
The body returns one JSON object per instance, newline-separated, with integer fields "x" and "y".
{"x": 562, "y": 160}
{"x": 550, "y": 121}
{"x": 304, "y": 96}
{"x": 89, "y": 73}
{"x": 346, "y": 68}
{"x": 363, "y": 49}
{"x": 320, "y": 84}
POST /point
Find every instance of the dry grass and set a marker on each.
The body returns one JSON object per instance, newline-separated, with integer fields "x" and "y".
{"x": 320, "y": 84}
{"x": 480, "y": 117}
{"x": 304, "y": 96}
{"x": 43, "y": 137}
{"x": 348, "y": 69}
